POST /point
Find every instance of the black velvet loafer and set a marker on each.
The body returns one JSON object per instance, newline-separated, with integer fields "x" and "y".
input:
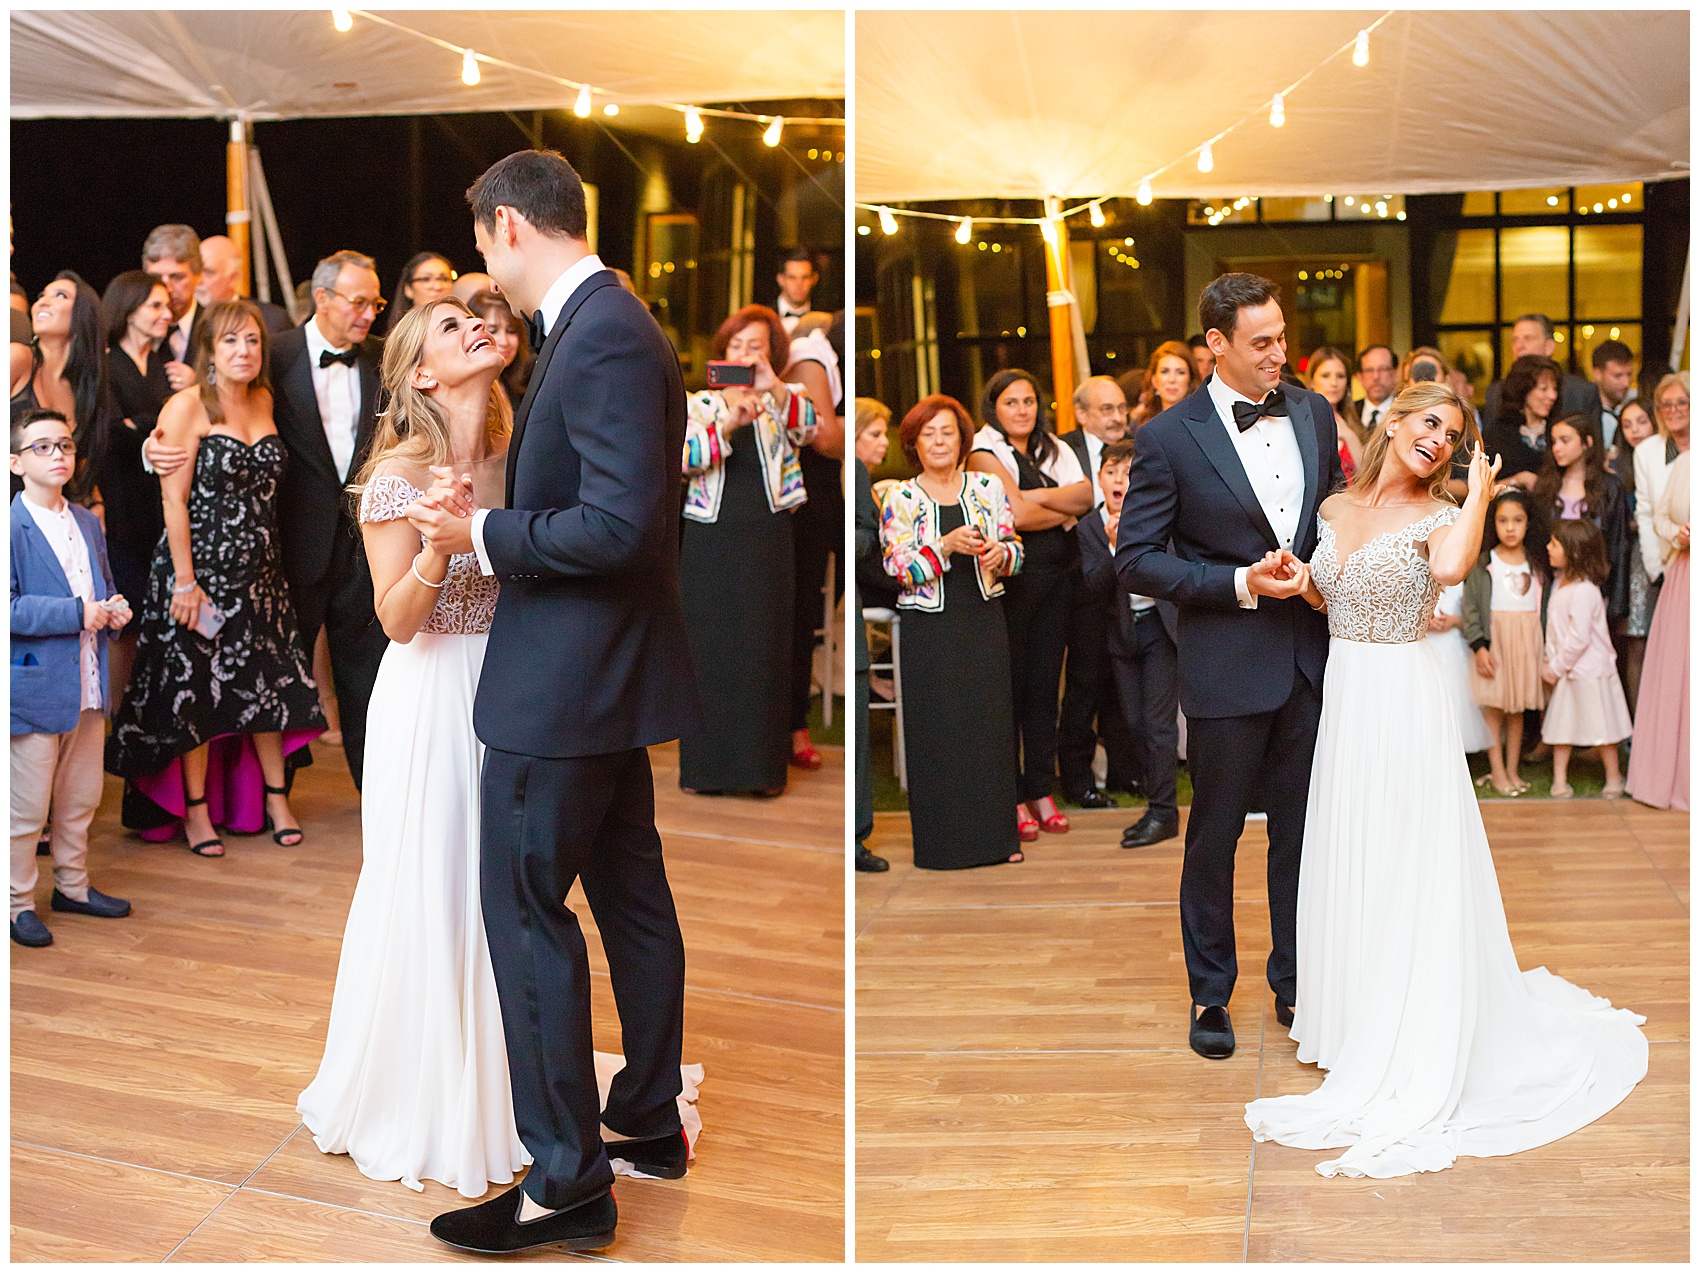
{"x": 665, "y": 1157}
{"x": 868, "y": 860}
{"x": 99, "y": 905}
{"x": 28, "y": 930}
{"x": 494, "y": 1227}
{"x": 1212, "y": 1033}
{"x": 1150, "y": 830}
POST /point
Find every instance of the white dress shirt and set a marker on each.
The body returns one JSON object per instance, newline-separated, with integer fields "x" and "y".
{"x": 550, "y": 307}
{"x": 177, "y": 335}
{"x": 1269, "y": 452}
{"x": 1376, "y": 412}
{"x": 788, "y": 313}
{"x": 65, "y": 537}
{"x": 337, "y": 387}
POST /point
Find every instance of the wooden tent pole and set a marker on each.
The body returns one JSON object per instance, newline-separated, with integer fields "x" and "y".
{"x": 1060, "y": 306}
{"x": 236, "y": 217}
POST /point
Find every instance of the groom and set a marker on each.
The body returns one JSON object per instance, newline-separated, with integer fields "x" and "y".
{"x": 1229, "y": 474}
{"x": 586, "y": 666}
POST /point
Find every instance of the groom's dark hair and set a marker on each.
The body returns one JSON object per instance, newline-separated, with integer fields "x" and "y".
{"x": 540, "y": 185}
{"x": 1220, "y": 303}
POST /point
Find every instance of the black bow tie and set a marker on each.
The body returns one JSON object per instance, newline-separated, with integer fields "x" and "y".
{"x": 348, "y": 358}
{"x": 535, "y": 332}
{"x": 1247, "y": 414}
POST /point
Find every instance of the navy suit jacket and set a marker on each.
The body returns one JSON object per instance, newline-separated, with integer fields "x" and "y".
{"x": 1098, "y": 568}
{"x": 47, "y": 625}
{"x": 313, "y": 507}
{"x": 1190, "y": 519}
{"x": 587, "y": 653}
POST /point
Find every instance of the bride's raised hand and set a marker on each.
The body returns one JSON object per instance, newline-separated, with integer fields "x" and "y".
{"x": 1482, "y": 474}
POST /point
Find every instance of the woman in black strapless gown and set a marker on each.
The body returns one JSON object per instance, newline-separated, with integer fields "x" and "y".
{"x": 218, "y": 713}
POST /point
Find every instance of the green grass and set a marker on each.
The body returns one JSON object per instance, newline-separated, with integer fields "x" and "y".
{"x": 1587, "y": 776}
{"x": 821, "y": 735}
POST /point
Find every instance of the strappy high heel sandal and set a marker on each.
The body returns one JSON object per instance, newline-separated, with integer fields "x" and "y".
{"x": 279, "y": 832}
{"x": 205, "y": 848}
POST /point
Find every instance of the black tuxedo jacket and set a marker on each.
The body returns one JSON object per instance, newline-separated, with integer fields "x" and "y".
{"x": 313, "y": 506}
{"x": 1098, "y": 567}
{"x": 1190, "y": 519}
{"x": 587, "y": 652}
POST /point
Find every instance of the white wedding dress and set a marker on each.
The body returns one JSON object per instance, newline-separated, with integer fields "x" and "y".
{"x": 1409, "y": 993}
{"x": 414, "y": 1082}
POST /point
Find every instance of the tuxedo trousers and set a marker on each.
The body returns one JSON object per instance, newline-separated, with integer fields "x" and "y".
{"x": 341, "y": 604}
{"x": 1149, "y": 684}
{"x": 1091, "y": 707}
{"x": 1233, "y": 761}
{"x": 546, "y": 823}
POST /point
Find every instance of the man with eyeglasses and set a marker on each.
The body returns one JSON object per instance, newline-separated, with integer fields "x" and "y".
{"x": 325, "y": 403}
{"x": 172, "y": 254}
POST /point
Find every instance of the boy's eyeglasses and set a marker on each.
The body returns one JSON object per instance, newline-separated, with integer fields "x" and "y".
{"x": 46, "y": 447}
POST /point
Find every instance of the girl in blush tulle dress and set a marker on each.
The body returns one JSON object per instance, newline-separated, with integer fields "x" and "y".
{"x": 1587, "y": 708}
{"x": 1446, "y": 638}
{"x": 1504, "y": 618}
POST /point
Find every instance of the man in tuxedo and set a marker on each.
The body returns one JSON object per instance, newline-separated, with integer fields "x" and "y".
{"x": 587, "y": 666}
{"x": 221, "y": 277}
{"x": 1232, "y": 473}
{"x": 1614, "y": 378}
{"x": 797, "y": 278}
{"x": 172, "y": 254}
{"x": 1141, "y": 644}
{"x": 325, "y": 386}
{"x": 1533, "y": 334}
{"x": 1089, "y": 692}
{"x": 1378, "y": 372}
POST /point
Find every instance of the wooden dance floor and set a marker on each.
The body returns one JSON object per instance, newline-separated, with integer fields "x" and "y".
{"x": 156, "y": 1060}
{"x": 1024, "y": 1088}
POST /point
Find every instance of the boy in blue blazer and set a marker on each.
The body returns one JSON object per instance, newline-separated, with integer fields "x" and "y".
{"x": 62, "y": 608}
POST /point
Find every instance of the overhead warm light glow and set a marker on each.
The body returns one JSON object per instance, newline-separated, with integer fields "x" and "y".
{"x": 1048, "y": 228}
{"x": 693, "y": 125}
{"x": 1611, "y": 203}
{"x": 1599, "y": 207}
{"x": 1096, "y": 210}
{"x": 1350, "y": 201}
{"x": 1144, "y": 195}
{"x": 771, "y": 136}
{"x": 862, "y": 229}
{"x": 1552, "y": 201}
{"x": 1381, "y": 207}
{"x": 1127, "y": 243}
{"x": 965, "y": 230}
{"x": 888, "y": 223}
{"x": 1277, "y": 111}
{"x": 342, "y": 18}
{"x": 611, "y": 108}
{"x": 1360, "y": 52}
{"x": 1398, "y": 216}
{"x": 1328, "y": 198}
{"x": 1206, "y": 159}
{"x": 469, "y": 73}
{"x": 581, "y": 107}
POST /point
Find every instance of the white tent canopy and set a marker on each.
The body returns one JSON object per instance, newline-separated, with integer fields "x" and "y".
{"x": 266, "y": 64}
{"x": 955, "y": 105}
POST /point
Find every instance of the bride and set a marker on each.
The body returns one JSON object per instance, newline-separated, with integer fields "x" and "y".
{"x": 1409, "y": 993}
{"x": 414, "y": 1082}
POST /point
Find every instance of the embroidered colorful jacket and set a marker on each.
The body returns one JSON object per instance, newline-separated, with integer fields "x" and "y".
{"x": 707, "y": 445}
{"x": 909, "y": 534}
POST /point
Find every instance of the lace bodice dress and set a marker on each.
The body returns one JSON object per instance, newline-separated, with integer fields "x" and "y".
{"x": 468, "y": 599}
{"x": 1437, "y": 1045}
{"x": 1384, "y": 592}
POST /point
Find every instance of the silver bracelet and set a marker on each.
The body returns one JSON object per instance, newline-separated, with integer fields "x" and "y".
{"x": 422, "y": 579}
{"x": 180, "y": 589}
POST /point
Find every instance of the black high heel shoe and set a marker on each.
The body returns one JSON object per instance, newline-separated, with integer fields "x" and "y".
{"x": 278, "y": 834}
{"x": 201, "y": 850}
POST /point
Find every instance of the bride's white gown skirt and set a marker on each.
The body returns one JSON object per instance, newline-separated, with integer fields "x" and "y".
{"x": 1409, "y": 994}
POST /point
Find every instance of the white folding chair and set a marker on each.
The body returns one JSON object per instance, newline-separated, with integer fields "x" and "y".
{"x": 893, "y": 621}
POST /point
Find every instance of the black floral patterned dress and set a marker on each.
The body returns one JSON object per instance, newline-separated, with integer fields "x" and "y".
{"x": 253, "y": 677}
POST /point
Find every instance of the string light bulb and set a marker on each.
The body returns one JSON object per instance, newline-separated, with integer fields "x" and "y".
{"x": 771, "y": 136}
{"x": 693, "y": 125}
{"x": 342, "y": 19}
{"x": 581, "y": 107}
{"x": 611, "y": 109}
{"x": 1206, "y": 159}
{"x": 1144, "y": 195}
{"x": 469, "y": 72}
{"x": 1360, "y": 51}
{"x": 888, "y": 223}
{"x": 965, "y": 230}
{"x": 1096, "y": 208}
{"x": 1278, "y": 111}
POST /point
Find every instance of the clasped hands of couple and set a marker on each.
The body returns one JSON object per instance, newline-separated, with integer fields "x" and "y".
{"x": 443, "y": 515}
{"x": 1280, "y": 574}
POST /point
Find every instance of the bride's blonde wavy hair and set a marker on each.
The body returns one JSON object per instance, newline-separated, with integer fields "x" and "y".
{"x": 412, "y": 427}
{"x": 1420, "y": 396}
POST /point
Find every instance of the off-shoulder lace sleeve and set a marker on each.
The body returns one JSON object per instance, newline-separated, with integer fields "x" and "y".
{"x": 385, "y": 497}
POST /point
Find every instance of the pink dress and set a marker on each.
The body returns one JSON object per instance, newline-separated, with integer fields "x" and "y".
{"x": 1587, "y": 707}
{"x": 1658, "y": 763}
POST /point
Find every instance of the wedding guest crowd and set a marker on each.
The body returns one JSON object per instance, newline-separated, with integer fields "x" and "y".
{"x": 1568, "y": 627}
